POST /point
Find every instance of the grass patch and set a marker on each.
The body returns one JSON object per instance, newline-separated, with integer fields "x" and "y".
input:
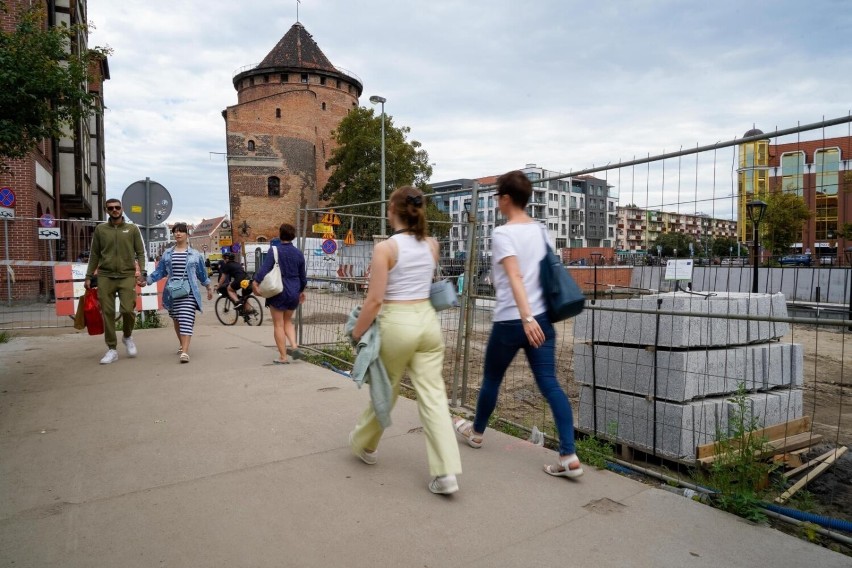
{"x": 5, "y": 337}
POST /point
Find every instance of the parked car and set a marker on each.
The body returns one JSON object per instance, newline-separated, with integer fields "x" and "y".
{"x": 733, "y": 261}
{"x": 796, "y": 260}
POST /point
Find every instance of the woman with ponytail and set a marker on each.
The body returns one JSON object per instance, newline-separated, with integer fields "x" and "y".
{"x": 410, "y": 336}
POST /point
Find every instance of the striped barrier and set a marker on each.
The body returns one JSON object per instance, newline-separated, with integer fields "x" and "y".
{"x": 68, "y": 278}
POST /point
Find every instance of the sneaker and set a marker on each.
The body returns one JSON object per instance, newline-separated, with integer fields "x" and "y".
{"x": 369, "y": 458}
{"x": 110, "y": 357}
{"x": 130, "y": 345}
{"x": 444, "y": 485}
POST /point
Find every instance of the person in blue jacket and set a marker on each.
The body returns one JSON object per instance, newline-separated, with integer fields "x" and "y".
{"x": 183, "y": 261}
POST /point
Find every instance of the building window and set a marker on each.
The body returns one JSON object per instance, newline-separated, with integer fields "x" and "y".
{"x": 250, "y": 145}
{"x": 278, "y": 113}
{"x": 827, "y": 167}
{"x": 322, "y": 80}
{"x": 273, "y": 186}
{"x": 266, "y": 78}
{"x": 251, "y": 80}
{"x": 323, "y": 106}
{"x": 304, "y": 77}
{"x": 285, "y": 77}
{"x": 338, "y": 83}
{"x": 792, "y": 169}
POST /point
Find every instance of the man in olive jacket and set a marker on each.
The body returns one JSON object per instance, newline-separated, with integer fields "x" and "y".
{"x": 117, "y": 255}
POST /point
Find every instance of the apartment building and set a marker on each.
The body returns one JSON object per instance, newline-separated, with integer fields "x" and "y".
{"x": 638, "y": 228}
{"x": 577, "y": 211}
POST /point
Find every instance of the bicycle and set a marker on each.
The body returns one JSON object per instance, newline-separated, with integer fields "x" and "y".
{"x": 228, "y": 314}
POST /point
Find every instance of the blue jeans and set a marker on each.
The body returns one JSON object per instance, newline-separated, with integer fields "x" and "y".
{"x": 507, "y": 337}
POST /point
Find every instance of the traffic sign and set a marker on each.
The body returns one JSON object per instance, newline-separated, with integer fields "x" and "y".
{"x": 7, "y": 213}
{"x": 350, "y": 238}
{"x": 330, "y": 218}
{"x": 147, "y": 193}
{"x": 236, "y": 248}
{"x": 7, "y": 197}
{"x": 47, "y": 220}
{"x": 225, "y": 241}
{"x": 51, "y": 233}
{"x": 329, "y": 246}
{"x": 204, "y": 248}
{"x": 321, "y": 228}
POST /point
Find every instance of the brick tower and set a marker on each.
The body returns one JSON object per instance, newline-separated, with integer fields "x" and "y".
{"x": 279, "y": 133}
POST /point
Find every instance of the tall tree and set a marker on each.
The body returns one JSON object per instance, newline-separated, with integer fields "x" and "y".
{"x": 786, "y": 213}
{"x": 357, "y": 168}
{"x": 43, "y": 86}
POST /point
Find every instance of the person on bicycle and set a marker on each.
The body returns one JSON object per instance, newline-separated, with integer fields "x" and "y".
{"x": 231, "y": 276}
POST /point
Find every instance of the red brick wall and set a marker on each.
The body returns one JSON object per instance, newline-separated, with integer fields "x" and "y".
{"x": 584, "y": 276}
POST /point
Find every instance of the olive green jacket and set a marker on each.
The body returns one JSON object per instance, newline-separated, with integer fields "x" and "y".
{"x": 115, "y": 251}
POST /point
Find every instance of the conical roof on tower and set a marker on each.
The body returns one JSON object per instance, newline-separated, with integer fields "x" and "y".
{"x": 297, "y": 49}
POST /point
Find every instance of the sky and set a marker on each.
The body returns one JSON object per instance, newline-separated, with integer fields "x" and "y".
{"x": 486, "y": 86}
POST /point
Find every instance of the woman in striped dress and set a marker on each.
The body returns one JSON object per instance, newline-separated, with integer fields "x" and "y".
{"x": 183, "y": 261}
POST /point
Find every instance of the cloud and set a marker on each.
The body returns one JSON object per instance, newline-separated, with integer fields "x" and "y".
{"x": 486, "y": 86}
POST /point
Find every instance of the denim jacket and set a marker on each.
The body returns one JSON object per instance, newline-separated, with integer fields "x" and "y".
{"x": 195, "y": 272}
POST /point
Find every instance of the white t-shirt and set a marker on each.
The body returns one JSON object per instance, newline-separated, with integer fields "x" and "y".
{"x": 524, "y": 241}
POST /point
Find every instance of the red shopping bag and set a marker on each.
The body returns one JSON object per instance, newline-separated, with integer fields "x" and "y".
{"x": 92, "y": 311}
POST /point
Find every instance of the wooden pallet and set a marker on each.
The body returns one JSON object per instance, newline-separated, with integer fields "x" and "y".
{"x": 780, "y": 438}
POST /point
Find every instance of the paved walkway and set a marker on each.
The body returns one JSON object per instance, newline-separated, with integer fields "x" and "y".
{"x": 232, "y": 461}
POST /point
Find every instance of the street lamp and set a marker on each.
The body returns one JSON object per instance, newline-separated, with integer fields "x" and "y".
{"x": 755, "y": 209}
{"x": 375, "y": 99}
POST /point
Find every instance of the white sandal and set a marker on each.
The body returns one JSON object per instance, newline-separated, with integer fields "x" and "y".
{"x": 464, "y": 429}
{"x": 571, "y": 467}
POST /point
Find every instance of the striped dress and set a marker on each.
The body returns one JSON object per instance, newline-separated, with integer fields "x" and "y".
{"x": 183, "y": 309}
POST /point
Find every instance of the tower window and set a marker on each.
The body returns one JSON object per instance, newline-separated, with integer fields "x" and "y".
{"x": 285, "y": 77}
{"x": 251, "y": 80}
{"x": 273, "y": 186}
{"x": 323, "y": 106}
{"x": 338, "y": 83}
{"x": 304, "y": 77}
{"x": 278, "y": 113}
{"x": 322, "y": 80}
{"x": 266, "y": 78}
{"x": 250, "y": 145}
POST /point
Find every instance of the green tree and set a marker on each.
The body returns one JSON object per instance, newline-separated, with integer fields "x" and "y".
{"x": 357, "y": 168}
{"x": 43, "y": 87}
{"x": 679, "y": 241}
{"x": 722, "y": 246}
{"x": 782, "y": 223}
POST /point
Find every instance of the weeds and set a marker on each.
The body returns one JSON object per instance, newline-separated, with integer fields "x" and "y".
{"x": 595, "y": 451}
{"x": 740, "y": 472}
{"x": 5, "y": 337}
{"x": 334, "y": 354}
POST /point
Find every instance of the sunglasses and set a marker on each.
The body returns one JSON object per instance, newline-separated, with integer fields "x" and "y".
{"x": 113, "y": 207}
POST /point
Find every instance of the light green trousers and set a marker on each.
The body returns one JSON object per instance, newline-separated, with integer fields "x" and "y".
{"x": 411, "y": 339}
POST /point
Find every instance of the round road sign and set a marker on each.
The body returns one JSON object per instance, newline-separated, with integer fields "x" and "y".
{"x": 7, "y": 197}
{"x": 329, "y": 246}
{"x": 135, "y": 202}
{"x": 47, "y": 221}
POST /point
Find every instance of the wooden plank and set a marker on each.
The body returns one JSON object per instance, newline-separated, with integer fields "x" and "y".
{"x": 775, "y": 432}
{"x": 814, "y": 461}
{"x": 811, "y": 475}
{"x": 773, "y": 447}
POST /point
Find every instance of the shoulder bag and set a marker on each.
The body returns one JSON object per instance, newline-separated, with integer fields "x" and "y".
{"x": 442, "y": 293}
{"x": 178, "y": 286}
{"x": 272, "y": 284}
{"x": 562, "y": 296}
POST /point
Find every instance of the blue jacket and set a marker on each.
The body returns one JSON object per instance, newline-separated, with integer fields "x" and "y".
{"x": 195, "y": 272}
{"x": 368, "y": 367}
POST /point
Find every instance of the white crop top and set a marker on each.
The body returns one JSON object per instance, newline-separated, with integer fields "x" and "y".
{"x": 411, "y": 276}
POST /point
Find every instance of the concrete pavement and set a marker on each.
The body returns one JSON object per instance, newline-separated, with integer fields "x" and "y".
{"x": 232, "y": 461}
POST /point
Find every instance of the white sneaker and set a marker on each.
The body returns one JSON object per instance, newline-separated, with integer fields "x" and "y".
{"x": 110, "y": 357}
{"x": 444, "y": 485}
{"x": 130, "y": 345}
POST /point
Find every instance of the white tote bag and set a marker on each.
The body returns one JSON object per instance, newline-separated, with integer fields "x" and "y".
{"x": 271, "y": 283}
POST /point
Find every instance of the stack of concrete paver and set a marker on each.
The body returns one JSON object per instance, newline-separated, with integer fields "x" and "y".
{"x": 663, "y": 383}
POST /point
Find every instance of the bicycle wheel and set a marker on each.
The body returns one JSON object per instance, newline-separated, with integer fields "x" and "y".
{"x": 225, "y": 311}
{"x": 252, "y": 311}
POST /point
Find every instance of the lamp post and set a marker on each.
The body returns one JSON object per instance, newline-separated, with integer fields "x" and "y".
{"x": 755, "y": 209}
{"x": 375, "y": 99}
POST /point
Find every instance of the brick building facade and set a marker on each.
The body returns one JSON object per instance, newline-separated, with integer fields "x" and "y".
{"x": 279, "y": 133}
{"x": 62, "y": 177}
